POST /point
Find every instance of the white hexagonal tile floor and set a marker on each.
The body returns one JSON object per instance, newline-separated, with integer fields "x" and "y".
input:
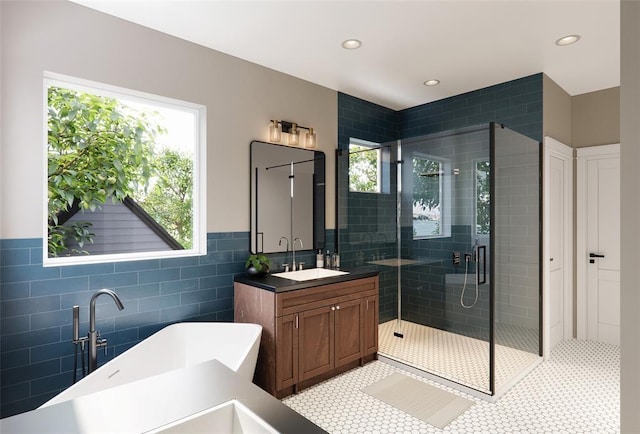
{"x": 576, "y": 391}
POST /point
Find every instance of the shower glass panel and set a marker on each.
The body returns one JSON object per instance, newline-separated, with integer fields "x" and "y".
{"x": 451, "y": 222}
{"x": 366, "y": 215}
{"x": 445, "y": 315}
{"x": 517, "y": 252}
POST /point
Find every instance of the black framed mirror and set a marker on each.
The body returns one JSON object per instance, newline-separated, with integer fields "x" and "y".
{"x": 287, "y": 198}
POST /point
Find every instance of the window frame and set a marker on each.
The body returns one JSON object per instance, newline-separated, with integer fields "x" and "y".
{"x": 445, "y": 196}
{"x": 199, "y": 220}
{"x": 374, "y": 147}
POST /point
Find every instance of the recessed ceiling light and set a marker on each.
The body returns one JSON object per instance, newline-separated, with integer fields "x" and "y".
{"x": 351, "y": 44}
{"x": 568, "y": 40}
{"x": 432, "y": 82}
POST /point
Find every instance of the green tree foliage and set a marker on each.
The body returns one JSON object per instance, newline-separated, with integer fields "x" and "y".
{"x": 363, "y": 169}
{"x": 97, "y": 148}
{"x": 426, "y": 183}
{"x": 170, "y": 198}
{"x": 483, "y": 211}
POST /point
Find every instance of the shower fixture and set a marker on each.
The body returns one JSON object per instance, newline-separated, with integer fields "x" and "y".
{"x": 467, "y": 259}
{"x": 439, "y": 173}
{"x": 478, "y": 255}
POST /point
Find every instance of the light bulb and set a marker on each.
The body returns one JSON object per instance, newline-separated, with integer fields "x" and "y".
{"x": 311, "y": 139}
{"x": 275, "y": 131}
{"x": 294, "y": 136}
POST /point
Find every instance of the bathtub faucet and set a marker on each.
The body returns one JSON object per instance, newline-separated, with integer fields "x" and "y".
{"x": 94, "y": 341}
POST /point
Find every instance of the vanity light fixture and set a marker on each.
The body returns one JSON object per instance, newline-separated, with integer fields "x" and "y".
{"x": 276, "y": 128}
{"x": 432, "y": 82}
{"x": 351, "y": 44}
{"x": 275, "y": 131}
{"x": 568, "y": 40}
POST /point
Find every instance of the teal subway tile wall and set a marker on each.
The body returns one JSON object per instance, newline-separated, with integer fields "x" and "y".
{"x": 36, "y": 353}
{"x": 516, "y": 104}
{"x": 362, "y": 217}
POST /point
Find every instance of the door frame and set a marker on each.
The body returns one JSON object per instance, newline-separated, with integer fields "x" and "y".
{"x": 583, "y": 156}
{"x": 552, "y": 147}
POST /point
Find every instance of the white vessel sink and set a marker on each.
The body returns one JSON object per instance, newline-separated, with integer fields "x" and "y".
{"x": 310, "y": 274}
{"x": 230, "y": 417}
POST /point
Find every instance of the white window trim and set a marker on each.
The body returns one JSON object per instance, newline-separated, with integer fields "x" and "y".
{"x": 199, "y": 173}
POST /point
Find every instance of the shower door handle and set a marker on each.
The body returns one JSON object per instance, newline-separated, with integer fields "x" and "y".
{"x": 481, "y": 258}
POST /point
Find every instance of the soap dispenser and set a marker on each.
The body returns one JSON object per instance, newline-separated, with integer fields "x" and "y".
{"x": 319, "y": 259}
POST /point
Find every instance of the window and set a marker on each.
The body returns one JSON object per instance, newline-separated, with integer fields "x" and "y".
{"x": 431, "y": 193}
{"x": 364, "y": 166}
{"x": 483, "y": 211}
{"x": 125, "y": 174}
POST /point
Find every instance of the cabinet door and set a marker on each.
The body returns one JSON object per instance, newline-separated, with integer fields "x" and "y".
{"x": 370, "y": 325}
{"x": 349, "y": 322}
{"x": 316, "y": 334}
{"x": 286, "y": 351}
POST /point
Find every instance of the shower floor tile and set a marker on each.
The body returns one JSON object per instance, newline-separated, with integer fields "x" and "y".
{"x": 576, "y": 391}
{"x": 452, "y": 356}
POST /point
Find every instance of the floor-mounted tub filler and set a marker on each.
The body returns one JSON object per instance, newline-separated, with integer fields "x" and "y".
{"x": 176, "y": 346}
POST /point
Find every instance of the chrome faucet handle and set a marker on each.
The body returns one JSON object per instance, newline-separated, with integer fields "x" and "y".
{"x": 286, "y": 267}
{"x": 102, "y": 342}
{"x": 300, "y": 265}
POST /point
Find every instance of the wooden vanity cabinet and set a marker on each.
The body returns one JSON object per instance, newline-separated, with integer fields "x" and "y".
{"x": 310, "y": 334}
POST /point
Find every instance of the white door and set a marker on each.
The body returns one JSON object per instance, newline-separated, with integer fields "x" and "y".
{"x": 556, "y": 251}
{"x": 599, "y": 200}
{"x": 558, "y": 235}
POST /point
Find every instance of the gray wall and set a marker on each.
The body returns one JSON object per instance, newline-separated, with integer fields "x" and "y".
{"x": 70, "y": 39}
{"x": 595, "y": 118}
{"x": 556, "y": 114}
{"x": 630, "y": 277}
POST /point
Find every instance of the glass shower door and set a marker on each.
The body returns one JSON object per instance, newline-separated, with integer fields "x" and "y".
{"x": 445, "y": 238}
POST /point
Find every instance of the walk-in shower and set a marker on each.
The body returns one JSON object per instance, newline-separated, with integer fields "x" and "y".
{"x": 452, "y": 223}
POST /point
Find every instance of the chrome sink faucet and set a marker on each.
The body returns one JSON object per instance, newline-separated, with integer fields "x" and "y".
{"x": 94, "y": 343}
{"x": 285, "y": 266}
{"x": 293, "y": 252}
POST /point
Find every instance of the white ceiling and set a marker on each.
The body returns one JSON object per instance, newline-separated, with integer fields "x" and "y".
{"x": 467, "y": 45}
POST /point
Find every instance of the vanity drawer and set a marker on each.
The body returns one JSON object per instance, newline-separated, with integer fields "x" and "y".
{"x": 318, "y": 296}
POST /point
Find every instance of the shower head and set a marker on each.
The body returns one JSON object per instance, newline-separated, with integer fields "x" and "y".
{"x": 440, "y": 173}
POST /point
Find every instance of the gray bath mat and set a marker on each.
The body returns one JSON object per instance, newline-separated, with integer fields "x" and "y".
{"x": 435, "y": 406}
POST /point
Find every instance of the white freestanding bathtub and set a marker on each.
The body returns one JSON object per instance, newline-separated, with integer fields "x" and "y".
{"x": 175, "y": 346}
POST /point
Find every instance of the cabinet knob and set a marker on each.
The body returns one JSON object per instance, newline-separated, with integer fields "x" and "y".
{"x": 333, "y": 308}
{"x": 338, "y": 307}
